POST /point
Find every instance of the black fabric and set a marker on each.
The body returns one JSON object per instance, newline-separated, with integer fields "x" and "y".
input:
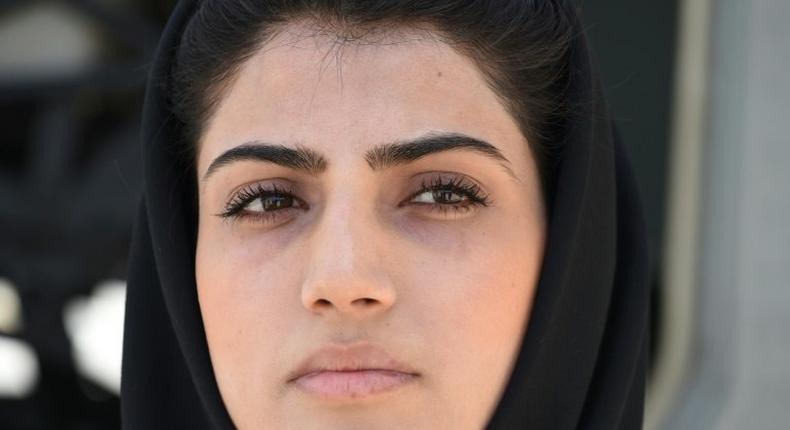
{"x": 582, "y": 363}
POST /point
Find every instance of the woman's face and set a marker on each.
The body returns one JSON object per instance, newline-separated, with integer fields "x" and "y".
{"x": 337, "y": 292}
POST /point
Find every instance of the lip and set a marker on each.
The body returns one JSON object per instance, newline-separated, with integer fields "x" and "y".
{"x": 359, "y": 370}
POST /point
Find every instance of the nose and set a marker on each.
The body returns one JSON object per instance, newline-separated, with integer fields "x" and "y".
{"x": 347, "y": 272}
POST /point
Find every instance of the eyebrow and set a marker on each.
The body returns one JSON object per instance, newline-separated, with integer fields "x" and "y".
{"x": 380, "y": 157}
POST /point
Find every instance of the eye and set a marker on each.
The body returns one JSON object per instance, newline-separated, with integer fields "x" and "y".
{"x": 452, "y": 196}
{"x": 266, "y": 204}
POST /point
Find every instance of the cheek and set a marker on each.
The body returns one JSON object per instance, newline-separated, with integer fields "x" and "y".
{"x": 471, "y": 303}
{"x": 488, "y": 292}
{"x": 486, "y": 275}
{"x": 243, "y": 274}
{"x": 246, "y": 306}
{"x": 239, "y": 293}
{"x": 478, "y": 308}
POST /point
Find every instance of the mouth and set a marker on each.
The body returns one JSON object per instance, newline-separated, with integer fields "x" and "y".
{"x": 338, "y": 372}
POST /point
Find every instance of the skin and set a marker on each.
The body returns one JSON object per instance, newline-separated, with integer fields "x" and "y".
{"x": 447, "y": 293}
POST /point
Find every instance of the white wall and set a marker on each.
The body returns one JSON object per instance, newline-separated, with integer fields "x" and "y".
{"x": 739, "y": 373}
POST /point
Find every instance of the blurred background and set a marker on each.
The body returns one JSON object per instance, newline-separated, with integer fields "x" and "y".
{"x": 700, "y": 92}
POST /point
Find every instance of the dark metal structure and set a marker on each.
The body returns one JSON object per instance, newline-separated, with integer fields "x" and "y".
{"x": 69, "y": 187}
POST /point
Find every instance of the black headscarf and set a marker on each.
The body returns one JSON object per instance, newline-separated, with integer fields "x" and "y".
{"x": 582, "y": 363}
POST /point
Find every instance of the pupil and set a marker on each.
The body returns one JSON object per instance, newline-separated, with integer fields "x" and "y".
{"x": 275, "y": 202}
{"x": 444, "y": 195}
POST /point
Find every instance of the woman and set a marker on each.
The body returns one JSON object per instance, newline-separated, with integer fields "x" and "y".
{"x": 383, "y": 214}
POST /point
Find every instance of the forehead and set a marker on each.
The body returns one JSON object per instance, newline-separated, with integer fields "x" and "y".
{"x": 343, "y": 96}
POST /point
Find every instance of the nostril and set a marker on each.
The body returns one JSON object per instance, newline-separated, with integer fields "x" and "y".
{"x": 366, "y": 301}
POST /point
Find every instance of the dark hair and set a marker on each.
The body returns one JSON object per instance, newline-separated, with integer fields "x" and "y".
{"x": 520, "y": 46}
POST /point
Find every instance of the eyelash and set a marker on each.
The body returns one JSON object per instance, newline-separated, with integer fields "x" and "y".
{"x": 471, "y": 195}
